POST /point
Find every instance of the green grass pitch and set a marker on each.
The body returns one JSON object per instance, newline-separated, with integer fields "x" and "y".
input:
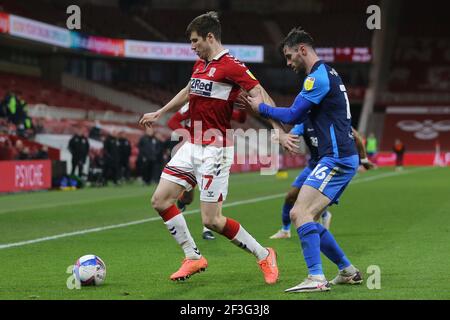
{"x": 398, "y": 221}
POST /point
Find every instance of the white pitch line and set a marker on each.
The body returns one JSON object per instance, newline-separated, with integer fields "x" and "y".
{"x": 389, "y": 174}
{"x": 226, "y": 205}
{"x": 115, "y": 226}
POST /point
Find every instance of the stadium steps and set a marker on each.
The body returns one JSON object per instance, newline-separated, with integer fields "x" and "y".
{"x": 106, "y": 94}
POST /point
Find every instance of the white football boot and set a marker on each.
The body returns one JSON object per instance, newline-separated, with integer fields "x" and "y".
{"x": 345, "y": 277}
{"x": 311, "y": 284}
{"x": 281, "y": 234}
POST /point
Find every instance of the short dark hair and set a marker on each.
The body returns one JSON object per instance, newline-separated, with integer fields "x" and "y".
{"x": 296, "y": 36}
{"x": 205, "y": 23}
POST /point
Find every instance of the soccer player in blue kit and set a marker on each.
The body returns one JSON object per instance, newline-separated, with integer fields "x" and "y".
{"x": 306, "y": 130}
{"x": 324, "y": 101}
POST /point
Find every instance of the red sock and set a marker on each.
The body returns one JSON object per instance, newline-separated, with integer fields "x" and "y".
{"x": 169, "y": 213}
{"x": 231, "y": 228}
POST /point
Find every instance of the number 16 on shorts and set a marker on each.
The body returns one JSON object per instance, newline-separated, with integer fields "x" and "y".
{"x": 319, "y": 172}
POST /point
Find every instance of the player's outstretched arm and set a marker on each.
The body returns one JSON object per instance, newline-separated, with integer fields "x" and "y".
{"x": 175, "y": 104}
{"x": 266, "y": 98}
{"x": 362, "y": 151}
{"x": 288, "y": 141}
{"x": 296, "y": 113}
{"x": 259, "y": 90}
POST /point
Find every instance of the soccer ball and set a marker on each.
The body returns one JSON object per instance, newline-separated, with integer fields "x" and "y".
{"x": 90, "y": 270}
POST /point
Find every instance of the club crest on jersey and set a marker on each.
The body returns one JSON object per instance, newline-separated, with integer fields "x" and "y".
{"x": 211, "y": 72}
{"x": 309, "y": 83}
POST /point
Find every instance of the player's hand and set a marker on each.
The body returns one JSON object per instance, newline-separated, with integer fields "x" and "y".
{"x": 148, "y": 119}
{"x": 251, "y": 102}
{"x": 290, "y": 142}
{"x": 367, "y": 164}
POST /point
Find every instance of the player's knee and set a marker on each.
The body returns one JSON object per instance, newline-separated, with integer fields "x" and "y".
{"x": 293, "y": 214}
{"x": 212, "y": 223}
{"x": 300, "y": 215}
{"x": 159, "y": 203}
{"x": 155, "y": 201}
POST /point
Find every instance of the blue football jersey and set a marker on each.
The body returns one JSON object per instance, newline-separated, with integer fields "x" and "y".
{"x": 330, "y": 117}
{"x": 306, "y": 130}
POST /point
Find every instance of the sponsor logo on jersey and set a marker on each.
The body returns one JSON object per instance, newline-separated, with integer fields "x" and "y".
{"x": 212, "y": 89}
{"x": 201, "y": 87}
{"x": 309, "y": 83}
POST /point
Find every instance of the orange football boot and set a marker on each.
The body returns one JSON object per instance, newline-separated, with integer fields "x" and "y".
{"x": 188, "y": 268}
{"x": 269, "y": 267}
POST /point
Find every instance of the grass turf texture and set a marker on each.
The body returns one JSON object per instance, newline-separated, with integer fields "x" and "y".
{"x": 397, "y": 221}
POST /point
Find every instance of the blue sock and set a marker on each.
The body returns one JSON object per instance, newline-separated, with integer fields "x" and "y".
{"x": 285, "y": 216}
{"x": 331, "y": 249}
{"x": 324, "y": 214}
{"x": 310, "y": 239}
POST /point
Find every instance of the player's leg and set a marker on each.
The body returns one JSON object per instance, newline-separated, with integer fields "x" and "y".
{"x": 323, "y": 186}
{"x": 348, "y": 274}
{"x": 176, "y": 178}
{"x": 285, "y": 231}
{"x": 212, "y": 176}
{"x": 207, "y": 233}
{"x": 309, "y": 205}
{"x": 289, "y": 201}
{"x": 213, "y": 219}
{"x": 163, "y": 201}
{"x": 185, "y": 199}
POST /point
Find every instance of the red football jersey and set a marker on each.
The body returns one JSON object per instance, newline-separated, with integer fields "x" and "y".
{"x": 176, "y": 120}
{"x": 181, "y": 120}
{"x": 214, "y": 87}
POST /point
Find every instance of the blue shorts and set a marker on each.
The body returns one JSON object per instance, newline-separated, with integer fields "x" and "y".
{"x": 298, "y": 182}
{"x": 332, "y": 175}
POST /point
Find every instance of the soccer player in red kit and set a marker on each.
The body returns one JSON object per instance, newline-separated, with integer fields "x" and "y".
{"x": 214, "y": 86}
{"x": 181, "y": 120}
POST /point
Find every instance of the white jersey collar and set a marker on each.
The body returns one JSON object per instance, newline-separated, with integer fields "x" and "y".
{"x": 220, "y": 54}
